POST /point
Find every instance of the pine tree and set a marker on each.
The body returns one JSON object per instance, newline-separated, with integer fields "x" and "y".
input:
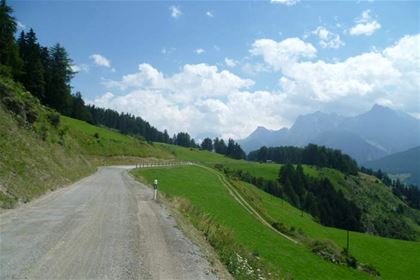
{"x": 219, "y": 146}
{"x": 79, "y": 110}
{"x": 58, "y": 94}
{"x": 9, "y": 51}
{"x": 207, "y": 144}
{"x": 33, "y": 77}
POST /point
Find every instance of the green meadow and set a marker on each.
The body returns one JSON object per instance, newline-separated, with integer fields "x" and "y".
{"x": 206, "y": 192}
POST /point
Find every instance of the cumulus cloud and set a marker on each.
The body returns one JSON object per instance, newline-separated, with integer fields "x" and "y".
{"x": 194, "y": 80}
{"x": 355, "y": 83}
{"x": 200, "y": 99}
{"x": 236, "y": 116}
{"x": 281, "y": 54}
{"x": 80, "y": 68}
{"x": 205, "y": 100}
{"x": 100, "y": 60}
{"x": 365, "y": 25}
{"x": 328, "y": 39}
{"x": 286, "y": 2}
{"x": 175, "y": 11}
{"x": 230, "y": 62}
{"x": 199, "y": 51}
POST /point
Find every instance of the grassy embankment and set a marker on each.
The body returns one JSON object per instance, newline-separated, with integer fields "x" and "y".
{"x": 41, "y": 150}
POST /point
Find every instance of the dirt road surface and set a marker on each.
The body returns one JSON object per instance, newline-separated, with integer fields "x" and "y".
{"x": 105, "y": 226}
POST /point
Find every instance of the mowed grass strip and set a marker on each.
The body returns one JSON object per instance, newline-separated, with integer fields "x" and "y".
{"x": 384, "y": 254}
{"x": 206, "y": 192}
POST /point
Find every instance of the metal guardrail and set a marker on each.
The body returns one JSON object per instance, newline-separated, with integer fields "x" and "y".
{"x": 146, "y": 164}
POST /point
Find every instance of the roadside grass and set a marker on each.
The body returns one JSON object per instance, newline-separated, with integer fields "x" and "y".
{"x": 205, "y": 192}
{"x": 384, "y": 254}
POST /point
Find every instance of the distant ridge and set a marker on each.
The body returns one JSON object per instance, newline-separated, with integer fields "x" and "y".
{"x": 372, "y": 135}
{"x": 406, "y": 162}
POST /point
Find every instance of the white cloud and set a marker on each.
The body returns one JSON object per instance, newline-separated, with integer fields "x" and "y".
{"x": 200, "y": 99}
{"x": 236, "y": 116}
{"x": 199, "y": 51}
{"x": 365, "y": 25}
{"x": 100, "y": 60}
{"x": 230, "y": 62}
{"x": 166, "y": 51}
{"x": 205, "y": 100}
{"x": 20, "y": 25}
{"x": 194, "y": 80}
{"x": 254, "y": 69}
{"x": 356, "y": 83}
{"x": 80, "y": 68}
{"x": 209, "y": 14}
{"x": 175, "y": 11}
{"x": 328, "y": 39}
{"x": 286, "y": 2}
{"x": 281, "y": 54}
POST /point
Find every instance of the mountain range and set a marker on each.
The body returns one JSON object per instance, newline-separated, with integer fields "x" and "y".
{"x": 372, "y": 135}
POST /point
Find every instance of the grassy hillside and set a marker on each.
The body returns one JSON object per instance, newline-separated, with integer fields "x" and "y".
{"x": 192, "y": 154}
{"x": 378, "y": 204}
{"x": 206, "y": 192}
{"x": 404, "y": 163}
{"x": 41, "y": 150}
{"x": 100, "y": 141}
{"x": 36, "y": 155}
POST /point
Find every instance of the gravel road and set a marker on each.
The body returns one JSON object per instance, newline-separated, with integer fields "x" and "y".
{"x": 103, "y": 227}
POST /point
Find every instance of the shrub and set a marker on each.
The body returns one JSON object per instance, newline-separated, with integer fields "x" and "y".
{"x": 31, "y": 114}
{"x": 329, "y": 251}
{"x": 54, "y": 118}
{"x": 14, "y": 105}
{"x": 43, "y": 132}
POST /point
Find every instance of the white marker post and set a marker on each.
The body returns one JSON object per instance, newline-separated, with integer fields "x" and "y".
{"x": 155, "y": 187}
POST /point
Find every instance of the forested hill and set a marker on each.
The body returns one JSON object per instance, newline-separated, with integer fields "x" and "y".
{"x": 311, "y": 154}
{"x": 46, "y": 72}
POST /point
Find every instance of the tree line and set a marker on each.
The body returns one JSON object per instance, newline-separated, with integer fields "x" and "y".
{"x": 408, "y": 193}
{"x": 311, "y": 154}
{"x": 47, "y": 72}
{"x": 232, "y": 149}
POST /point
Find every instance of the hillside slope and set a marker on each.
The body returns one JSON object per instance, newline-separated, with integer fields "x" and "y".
{"x": 381, "y": 209}
{"x": 278, "y": 254}
{"x": 41, "y": 150}
{"x": 407, "y": 163}
{"x": 36, "y": 155}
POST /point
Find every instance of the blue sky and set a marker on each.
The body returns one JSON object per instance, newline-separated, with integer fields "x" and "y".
{"x": 224, "y": 68}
